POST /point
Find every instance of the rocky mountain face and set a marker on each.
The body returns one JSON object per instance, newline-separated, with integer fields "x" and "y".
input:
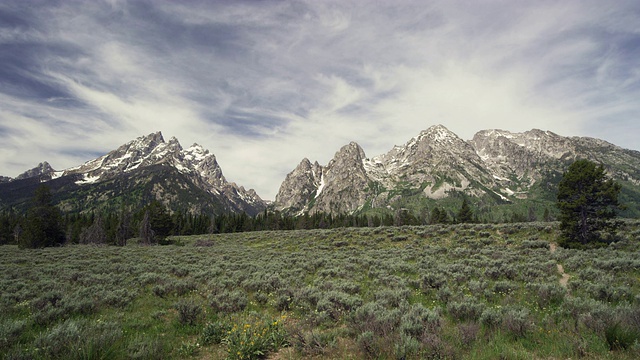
{"x": 43, "y": 171}
{"x": 497, "y": 166}
{"x": 141, "y": 170}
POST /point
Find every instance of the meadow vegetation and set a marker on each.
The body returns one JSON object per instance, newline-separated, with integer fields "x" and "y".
{"x": 477, "y": 291}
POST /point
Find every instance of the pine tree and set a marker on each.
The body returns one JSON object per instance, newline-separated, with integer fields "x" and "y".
{"x": 43, "y": 226}
{"x": 439, "y": 216}
{"x": 465, "y": 215}
{"x": 588, "y": 201}
{"x": 160, "y": 220}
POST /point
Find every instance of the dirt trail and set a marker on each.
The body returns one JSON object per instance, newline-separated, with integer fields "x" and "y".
{"x": 565, "y": 277}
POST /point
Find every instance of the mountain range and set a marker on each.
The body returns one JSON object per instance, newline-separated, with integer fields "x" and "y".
{"x": 496, "y": 169}
{"x": 145, "y": 169}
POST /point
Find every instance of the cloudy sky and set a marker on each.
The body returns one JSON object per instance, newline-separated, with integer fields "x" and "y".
{"x": 263, "y": 84}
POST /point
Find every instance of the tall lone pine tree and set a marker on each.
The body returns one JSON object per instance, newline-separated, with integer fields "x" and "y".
{"x": 588, "y": 201}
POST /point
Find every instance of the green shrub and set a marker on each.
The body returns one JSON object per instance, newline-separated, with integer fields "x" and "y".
{"x": 188, "y": 312}
{"x": 337, "y": 303}
{"x": 374, "y": 317}
{"x": 610, "y": 293}
{"x": 408, "y": 347}
{"x": 516, "y": 321}
{"x": 392, "y": 298}
{"x": 504, "y": 287}
{"x": 160, "y": 290}
{"x": 491, "y": 317}
{"x": 466, "y": 310}
{"x": 549, "y": 294}
{"x": 620, "y": 337}
{"x": 418, "y": 320}
{"x": 368, "y": 344}
{"x": 444, "y": 294}
{"x": 229, "y": 301}
{"x": 433, "y": 281}
{"x": 284, "y": 300}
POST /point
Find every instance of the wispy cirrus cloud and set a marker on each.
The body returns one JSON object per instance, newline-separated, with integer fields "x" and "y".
{"x": 263, "y": 84}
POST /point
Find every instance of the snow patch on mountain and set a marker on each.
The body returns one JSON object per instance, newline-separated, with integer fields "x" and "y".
{"x": 196, "y": 163}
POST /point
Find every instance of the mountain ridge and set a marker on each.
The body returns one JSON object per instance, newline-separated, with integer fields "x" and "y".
{"x": 497, "y": 167}
{"x": 139, "y": 161}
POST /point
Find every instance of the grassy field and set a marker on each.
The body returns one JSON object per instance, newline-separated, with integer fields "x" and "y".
{"x": 444, "y": 291}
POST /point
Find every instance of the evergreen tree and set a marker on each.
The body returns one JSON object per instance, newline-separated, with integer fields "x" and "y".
{"x": 588, "y": 201}
{"x": 159, "y": 220}
{"x": 439, "y": 216}
{"x": 43, "y": 226}
{"x": 465, "y": 215}
{"x": 6, "y": 230}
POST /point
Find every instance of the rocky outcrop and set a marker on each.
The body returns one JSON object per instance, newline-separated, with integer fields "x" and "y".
{"x": 344, "y": 182}
{"x": 300, "y": 186}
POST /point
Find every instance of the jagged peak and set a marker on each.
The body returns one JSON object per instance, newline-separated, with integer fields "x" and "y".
{"x": 42, "y": 168}
{"x": 197, "y": 152}
{"x": 45, "y": 167}
{"x": 305, "y": 163}
{"x": 438, "y": 132}
{"x": 174, "y": 143}
{"x": 196, "y": 146}
{"x": 351, "y": 148}
{"x": 145, "y": 143}
{"x": 155, "y": 137}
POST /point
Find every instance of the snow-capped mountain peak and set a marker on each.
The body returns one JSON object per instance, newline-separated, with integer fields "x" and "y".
{"x": 496, "y": 165}
{"x": 150, "y": 152}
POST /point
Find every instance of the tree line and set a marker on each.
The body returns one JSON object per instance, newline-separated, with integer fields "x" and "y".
{"x": 587, "y": 200}
{"x": 44, "y": 225}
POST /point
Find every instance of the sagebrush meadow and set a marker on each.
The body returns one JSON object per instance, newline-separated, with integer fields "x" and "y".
{"x": 474, "y": 291}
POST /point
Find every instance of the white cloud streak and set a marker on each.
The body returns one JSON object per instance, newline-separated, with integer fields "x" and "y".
{"x": 264, "y": 84}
